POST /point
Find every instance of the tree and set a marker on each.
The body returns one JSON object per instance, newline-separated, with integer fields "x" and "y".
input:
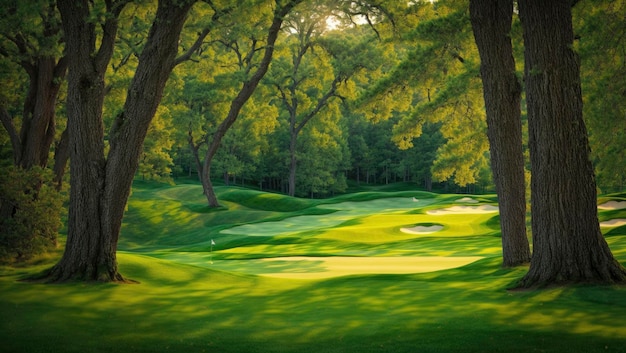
{"x": 310, "y": 81}
{"x": 100, "y": 186}
{"x": 211, "y": 84}
{"x": 250, "y": 83}
{"x": 491, "y": 23}
{"x": 568, "y": 246}
{"x": 205, "y": 99}
{"x": 33, "y": 42}
{"x": 31, "y": 52}
{"x": 602, "y": 36}
{"x": 155, "y": 162}
{"x": 436, "y": 81}
{"x": 321, "y": 159}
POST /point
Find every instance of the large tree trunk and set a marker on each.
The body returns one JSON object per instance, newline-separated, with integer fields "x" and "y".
{"x": 491, "y": 23}
{"x": 207, "y": 184}
{"x": 87, "y": 255}
{"x": 61, "y": 156}
{"x": 195, "y": 151}
{"x": 568, "y": 246}
{"x": 100, "y": 187}
{"x": 39, "y": 125}
{"x": 31, "y": 147}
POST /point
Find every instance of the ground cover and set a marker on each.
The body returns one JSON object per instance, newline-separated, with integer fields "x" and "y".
{"x": 343, "y": 278}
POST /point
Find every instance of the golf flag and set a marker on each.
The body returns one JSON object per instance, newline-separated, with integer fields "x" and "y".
{"x": 212, "y": 242}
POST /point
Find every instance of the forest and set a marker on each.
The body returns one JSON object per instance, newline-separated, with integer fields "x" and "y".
{"x": 303, "y": 98}
{"x": 313, "y": 175}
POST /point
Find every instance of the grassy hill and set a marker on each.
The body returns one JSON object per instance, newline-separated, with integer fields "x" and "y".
{"x": 299, "y": 275}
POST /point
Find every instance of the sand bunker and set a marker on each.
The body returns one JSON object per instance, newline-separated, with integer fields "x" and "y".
{"x": 467, "y": 199}
{"x": 422, "y": 229}
{"x": 464, "y": 209}
{"x": 303, "y": 267}
{"x": 612, "y": 205}
{"x": 613, "y": 222}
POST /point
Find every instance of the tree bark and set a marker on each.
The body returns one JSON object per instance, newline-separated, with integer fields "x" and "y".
{"x": 61, "y": 156}
{"x": 568, "y": 246}
{"x": 293, "y": 160}
{"x": 491, "y": 23}
{"x": 195, "y": 151}
{"x": 39, "y": 126}
{"x": 46, "y": 73}
{"x": 100, "y": 187}
{"x": 32, "y": 145}
{"x": 87, "y": 255}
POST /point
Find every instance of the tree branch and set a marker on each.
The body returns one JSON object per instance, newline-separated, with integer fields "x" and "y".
{"x": 321, "y": 103}
{"x": 197, "y": 45}
{"x": 16, "y": 143}
{"x": 109, "y": 33}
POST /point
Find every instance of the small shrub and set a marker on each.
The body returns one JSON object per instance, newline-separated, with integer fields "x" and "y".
{"x": 30, "y": 213}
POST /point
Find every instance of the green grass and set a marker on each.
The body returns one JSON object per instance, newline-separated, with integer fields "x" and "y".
{"x": 185, "y": 303}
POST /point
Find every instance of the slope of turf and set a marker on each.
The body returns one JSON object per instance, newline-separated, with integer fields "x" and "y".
{"x": 243, "y": 294}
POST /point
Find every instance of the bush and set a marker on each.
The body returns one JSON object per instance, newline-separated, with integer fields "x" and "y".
{"x": 30, "y": 213}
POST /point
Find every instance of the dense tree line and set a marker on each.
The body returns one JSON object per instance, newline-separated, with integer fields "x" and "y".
{"x": 302, "y": 97}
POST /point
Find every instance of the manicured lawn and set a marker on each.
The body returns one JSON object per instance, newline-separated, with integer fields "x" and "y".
{"x": 294, "y": 275}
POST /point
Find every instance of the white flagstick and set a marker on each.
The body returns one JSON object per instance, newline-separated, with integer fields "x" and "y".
{"x": 211, "y": 256}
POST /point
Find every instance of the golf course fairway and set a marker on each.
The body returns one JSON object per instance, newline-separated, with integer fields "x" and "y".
{"x": 370, "y": 271}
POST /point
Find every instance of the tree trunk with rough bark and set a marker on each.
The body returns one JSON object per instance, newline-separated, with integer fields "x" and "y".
{"x": 568, "y": 246}
{"x": 39, "y": 125}
{"x": 293, "y": 160}
{"x": 31, "y": 145}
{"x": 491, "y": 23}
{"x": 100, "y": 186}
{"x": 61, "y": 156}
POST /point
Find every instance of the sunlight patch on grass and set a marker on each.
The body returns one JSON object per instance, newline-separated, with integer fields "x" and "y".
{"x": 388, "y": 227}
{"x": 311, "y": 267}
{"x": 464, "y": 210}
{"x": 359, "y": 285}
{"x": 345, "y": 211}
{"x": 551, "y": 308}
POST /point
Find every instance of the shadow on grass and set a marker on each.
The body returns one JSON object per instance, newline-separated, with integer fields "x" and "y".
{"x": 186, "y": 308}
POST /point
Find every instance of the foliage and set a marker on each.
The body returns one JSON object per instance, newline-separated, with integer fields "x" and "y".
{"x": 602, "y": 44}
{"x": 437, "y": 83}
{"x": 33, "y": 224}
{"x": 156, "y": 161}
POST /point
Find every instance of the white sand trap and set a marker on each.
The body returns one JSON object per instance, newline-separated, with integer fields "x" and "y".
{"x": 422, "y": 229}
{"x": 467, "y": 199}
{"x": 464, "y": 209}
{"x": 612, "y": 205}
{"x": 303, "y": 267}
{"x": 613, "y": 222}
